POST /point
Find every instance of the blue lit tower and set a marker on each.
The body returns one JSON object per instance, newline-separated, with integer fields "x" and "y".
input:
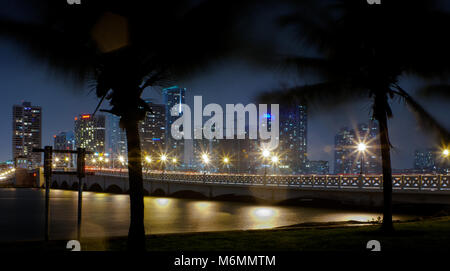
{"x": 173, "y": 96}
{"x": 292, "y": 149}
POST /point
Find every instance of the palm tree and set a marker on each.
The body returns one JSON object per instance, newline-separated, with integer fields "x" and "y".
{"x": 124, "y": 48}
{"x": 361, "y": 51}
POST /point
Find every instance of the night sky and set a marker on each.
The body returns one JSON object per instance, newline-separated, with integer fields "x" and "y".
{"x": 230, "y": 81}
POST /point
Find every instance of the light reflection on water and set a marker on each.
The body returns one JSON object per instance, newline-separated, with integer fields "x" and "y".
{"x": 22, "y": 214}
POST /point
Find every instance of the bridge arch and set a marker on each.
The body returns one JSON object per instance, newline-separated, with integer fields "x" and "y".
{"x": 64, "y": 185}
{"x": 114, "y": 189}
{"x": 54, "y": 185}
{"x": 188, "y": 194}
{"x": 158, "y": 193}
{"x": 95, "y": 188}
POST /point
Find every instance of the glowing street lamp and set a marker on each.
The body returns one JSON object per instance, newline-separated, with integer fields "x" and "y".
{"x": 265, "y": 155}
{"x": 205, "y": 158}
{"x": 446, "y": 152}
{"x": 274, "y": 160}
{"x": 121, "y": 159}
{"x": 163, "y": 158}
{"x": 148, "y": 159}
{"x": 362, "y": 148}
{"x": 226, "y": 162}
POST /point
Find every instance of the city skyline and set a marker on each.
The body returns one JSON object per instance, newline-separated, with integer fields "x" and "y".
{"x": 220, "y": 85}
{"x": 314, "y": 165}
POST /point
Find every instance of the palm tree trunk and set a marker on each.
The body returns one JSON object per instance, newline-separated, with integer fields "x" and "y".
{"x": 380, "y": 109}
{"x": 136, "y": 233}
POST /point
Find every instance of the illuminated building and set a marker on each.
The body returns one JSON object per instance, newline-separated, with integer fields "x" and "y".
{"x": 425, "y": 161}
{"x": 346, "y": 159}
{"x": 319, "y": 167}
{"x": 116, "y": 138}
{"x": 152, "y": 129}
{"x": 293, "y": 139}
{"x": 65, "y": 141}
{"x": 27, "y": 134}
{"x": 173, "y": 96}
{"x": 292, "y": 148}
{"x": 90, "y": 132}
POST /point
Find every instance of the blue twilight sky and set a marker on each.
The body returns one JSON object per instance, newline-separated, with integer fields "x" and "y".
{"x": 231, "y": 81}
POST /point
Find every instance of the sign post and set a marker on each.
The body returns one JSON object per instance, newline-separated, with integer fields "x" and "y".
{"x": 81, "y": 173}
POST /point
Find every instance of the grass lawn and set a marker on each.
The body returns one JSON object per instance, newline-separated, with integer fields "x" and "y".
{"x": 426, "y": 235}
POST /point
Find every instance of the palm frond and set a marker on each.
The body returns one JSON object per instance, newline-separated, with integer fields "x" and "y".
{"x": 426, "y": 121}
{"x": 438, "y": 91}
{"x": 322, "y": 95}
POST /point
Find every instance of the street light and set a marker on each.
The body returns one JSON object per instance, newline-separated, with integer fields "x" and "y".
{"x": 226, "y": 161}
{"x": 163, "y": 158}
{"x": 446, "y": 154}
{"x": 362, "y": 148}
{"x": 205, "y": 159}
{"x": 121, "y": 159}
{"x": 174, "y": 162}
{"x": 274, "y": 162}
{"x": 265, "y": 155}
{"x": 163, "y": 164}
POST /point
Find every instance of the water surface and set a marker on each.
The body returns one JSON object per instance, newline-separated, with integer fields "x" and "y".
{"x": 105, "y": 215}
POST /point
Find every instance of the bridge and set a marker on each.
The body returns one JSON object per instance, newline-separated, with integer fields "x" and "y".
{"x": 346, "y": 189}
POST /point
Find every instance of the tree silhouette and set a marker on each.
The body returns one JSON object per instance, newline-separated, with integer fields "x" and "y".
{"x": 124, "y": 48}
{"x": 361, "y": 51}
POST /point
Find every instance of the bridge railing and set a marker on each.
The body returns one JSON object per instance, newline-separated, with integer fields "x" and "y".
{"x": 399, "y": 182}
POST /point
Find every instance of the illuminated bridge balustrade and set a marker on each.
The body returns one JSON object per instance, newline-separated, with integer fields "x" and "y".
{"x": 399, "y": 182}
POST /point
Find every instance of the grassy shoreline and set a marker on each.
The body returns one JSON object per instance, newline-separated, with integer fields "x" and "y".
{"x": 432, "y": 234}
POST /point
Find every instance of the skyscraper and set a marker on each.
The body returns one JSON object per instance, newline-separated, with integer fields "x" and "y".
{"x": 27, "y": 134}
{"x": 347, "y": 159}
{"x": 425, "y": 160}
{"x": 153, "y": 129}
{"x": 173, "y": 96}
{"x": 319, "y": 167}
{"x": 65, "y": 141}
{"x": 292, "y": 148}
{"x": 90, "y": 132}
{"x": 116, "y": 138}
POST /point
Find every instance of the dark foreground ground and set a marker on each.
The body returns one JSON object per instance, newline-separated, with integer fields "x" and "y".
{"x": 431, "y": 234}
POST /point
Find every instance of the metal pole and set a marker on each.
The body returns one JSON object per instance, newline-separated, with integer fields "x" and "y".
{"x": 80, "y": 201}
{"x": 362, "y": 163}
{"x": 265, "y": 174}
{"x": 47, "y": 207}
{"x": 81, "y": 154}
{"x": 47, "y": 172}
